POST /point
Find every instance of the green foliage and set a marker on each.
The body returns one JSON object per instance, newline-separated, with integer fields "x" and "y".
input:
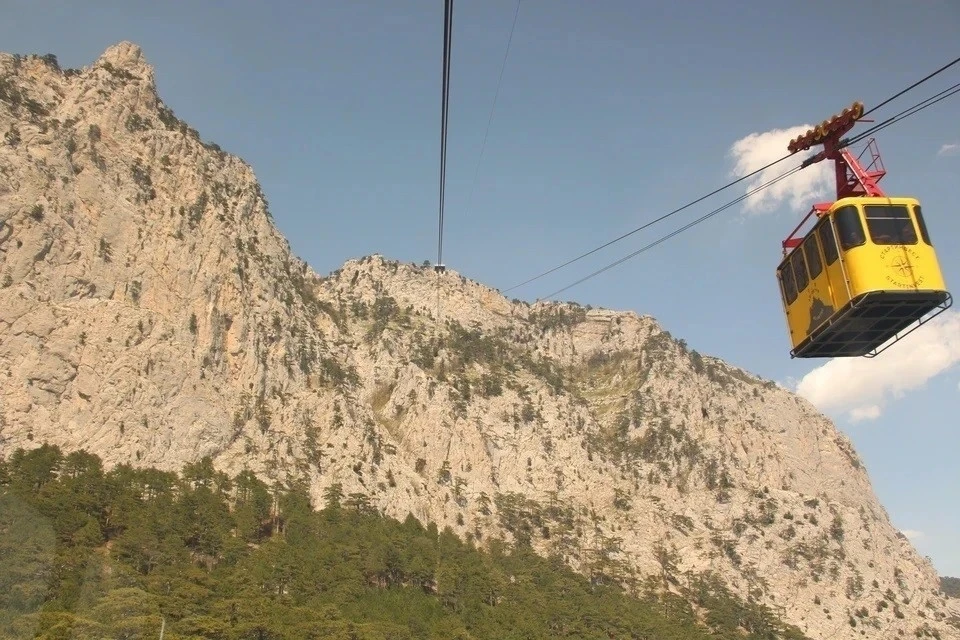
{"x": 950, "y": 586}
{"x": 197, "y": 209}
{"x": 480, "y": 363}
{"x": 135, "y": 123}
{"x": 141, "y": 176}
{"x": 12, "y": 136}
{"x": 836, "y": 528}
{"x": 635, "y": 438}
{"x": 16, "y": 98}
{"x": 558, "y": 318}
{"x": 471, "y": 346}
{"x": 95, "y": 554}
{"x": 136, "y": 288}
{"x": 384, "y": 311}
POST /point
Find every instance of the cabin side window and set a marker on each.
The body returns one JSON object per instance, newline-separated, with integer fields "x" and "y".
{"x": 922, "y": 225}
{"x": 849, "y": 228}
{"x": 828, "y": 242}
{"x": 788, "y": 283}
{"x": 812, "y": 253}
{"x": 799, "y": 270}
{"x": 890, "y": 224}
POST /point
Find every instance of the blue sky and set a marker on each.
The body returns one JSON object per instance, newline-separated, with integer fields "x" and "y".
{"x": 610, "y": 114}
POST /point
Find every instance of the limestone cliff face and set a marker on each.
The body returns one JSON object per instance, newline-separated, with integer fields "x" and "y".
{"x": 150, "y": 312}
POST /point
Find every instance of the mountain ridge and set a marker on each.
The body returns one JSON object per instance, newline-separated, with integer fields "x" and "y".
{"x": 152, "y": 313}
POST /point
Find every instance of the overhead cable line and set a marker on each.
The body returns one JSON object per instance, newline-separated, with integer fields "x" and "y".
{"x": 444, "y": 111}
{"x": 932, "y": 100}
{"x": 678, "y": 231}
{"x": 648, "y": 224}
{"x": 444, "y": 115}
{"x": 496, "y": 94}
{"x": 913, "y": 86}
{"x": 726, "y": 186}
{"x": 886, "y": 123}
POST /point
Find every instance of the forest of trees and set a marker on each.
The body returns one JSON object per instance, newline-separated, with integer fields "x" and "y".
{"x": 90, "y": 554}
{"x": 950, "y": 586}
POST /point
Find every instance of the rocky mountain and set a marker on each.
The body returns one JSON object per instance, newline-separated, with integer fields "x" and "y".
{"x": 150, "y": 312}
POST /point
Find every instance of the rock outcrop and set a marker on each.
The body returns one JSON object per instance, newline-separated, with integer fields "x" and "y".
{"x": 151, "y": 313}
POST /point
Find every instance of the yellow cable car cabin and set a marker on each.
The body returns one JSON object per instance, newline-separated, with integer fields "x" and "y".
{"x": 865, "y": 272}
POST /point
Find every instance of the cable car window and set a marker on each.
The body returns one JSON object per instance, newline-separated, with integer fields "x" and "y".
{"x": 827, "y": 241}
{"x": 849, "y": 228}
{"x": 789, "y": 285}
{"x": 799, "y": 270}
{"x": 812, "y": 252}
{"x": 890, "y": 224}
{"x": 922, "y": 225}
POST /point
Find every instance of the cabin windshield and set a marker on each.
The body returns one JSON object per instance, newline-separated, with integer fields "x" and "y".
{"x": 923, "y": 225}
{"x": 812, "y": 252}
{"x": 799, "y": 270}
{"x": 789, "y": 284}
{"x": 848, "y": 227}
{"x": 825, "y": 231}
{"x": 890, "y": 224}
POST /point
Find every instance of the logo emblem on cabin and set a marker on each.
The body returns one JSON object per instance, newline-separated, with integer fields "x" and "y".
{"x": 901, "y": 266}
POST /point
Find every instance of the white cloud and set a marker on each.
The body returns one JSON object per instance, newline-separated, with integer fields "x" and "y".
{"x": 800, "y": 190}
{"x": 949, "y": 150}
{"x": 869, "y": 412}
{"x": 912, "y": 534}
{"x": 789, "y": 385}
{"x": 861, "y": 386}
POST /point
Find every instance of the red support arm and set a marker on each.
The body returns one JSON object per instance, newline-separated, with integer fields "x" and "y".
{"x": 852, "y": 179}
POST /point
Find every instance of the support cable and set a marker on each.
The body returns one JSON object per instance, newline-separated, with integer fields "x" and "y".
{"x": 730, "y": 184}
{"x": 886, "y": 123}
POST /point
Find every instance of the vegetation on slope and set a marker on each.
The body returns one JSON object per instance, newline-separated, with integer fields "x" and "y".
{"x": 91, "y": 554}
{"x": 950, "y": 586}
